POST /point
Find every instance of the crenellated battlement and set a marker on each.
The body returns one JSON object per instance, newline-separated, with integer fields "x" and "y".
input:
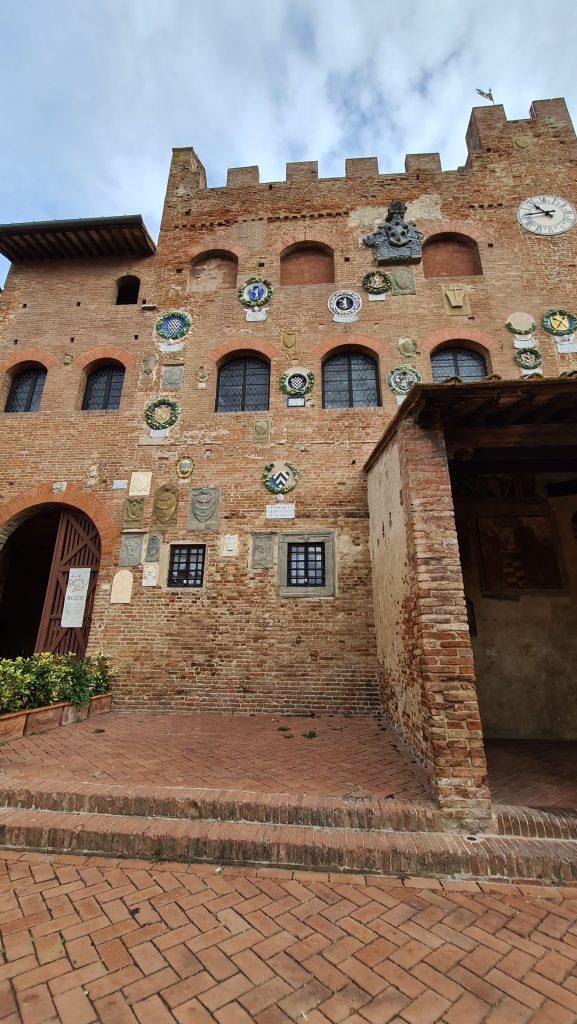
{"x": 489, "y": 131}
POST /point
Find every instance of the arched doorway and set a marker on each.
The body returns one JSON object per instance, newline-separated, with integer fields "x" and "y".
{"x": 48, "y": 572}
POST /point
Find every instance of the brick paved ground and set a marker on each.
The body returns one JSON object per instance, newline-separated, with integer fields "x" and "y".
{"x": 347, "y": 757}
{"x": 534, "y": 773}
{"x": 130, "y": 942}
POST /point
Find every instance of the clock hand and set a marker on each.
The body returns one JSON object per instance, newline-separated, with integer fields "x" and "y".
{"x": 540, "y": 208}
{"x": 539, "y": 213}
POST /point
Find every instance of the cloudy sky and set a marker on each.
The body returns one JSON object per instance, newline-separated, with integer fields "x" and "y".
{"x": 96, "y": 92}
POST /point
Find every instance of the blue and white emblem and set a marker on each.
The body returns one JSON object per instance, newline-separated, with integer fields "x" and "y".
{"x": 255, "y": 294}
{"x": 345, "y": 305}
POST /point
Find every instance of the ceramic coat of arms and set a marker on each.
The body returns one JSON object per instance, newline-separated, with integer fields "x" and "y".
{"x": 345, "y": 305}
{"x": 297, "y": 381}
{"x": 280, "y": 477}
{"x": 559, "y": 321}
{"x": 402, "y": 378}
{"x": 173, "y": 325}
{"x": 254, "y": 295}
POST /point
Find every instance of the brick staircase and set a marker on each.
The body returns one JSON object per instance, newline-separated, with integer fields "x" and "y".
{"x": 363, "y": 834}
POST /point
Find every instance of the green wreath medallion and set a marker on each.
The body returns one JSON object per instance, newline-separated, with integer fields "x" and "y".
{"x": 528, "y": 358}
{"x": 280, "y": 477}
{"x": 162, "y": 413}
{"x": 559, "y": 321}
{"x": 173, "y": 325}
{"x": 255, "y": 292}
{"x": 376, "y": 282}
{"x": 298, "y": 381}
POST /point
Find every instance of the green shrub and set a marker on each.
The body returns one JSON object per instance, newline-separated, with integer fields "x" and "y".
{"x": 43, "y": 679}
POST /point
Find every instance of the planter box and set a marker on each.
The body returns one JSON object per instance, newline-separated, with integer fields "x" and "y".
{"x": 100, "y": 705}
{"x": 43, "y": 719}
{"x": 26, "y": 723}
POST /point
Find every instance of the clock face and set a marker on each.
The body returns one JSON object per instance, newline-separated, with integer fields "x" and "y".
{"x": 546, "y": 215}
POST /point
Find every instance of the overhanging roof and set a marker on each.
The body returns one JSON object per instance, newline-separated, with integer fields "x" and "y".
{"x": 486, "y": 403}
{"x": 91, "y": 238}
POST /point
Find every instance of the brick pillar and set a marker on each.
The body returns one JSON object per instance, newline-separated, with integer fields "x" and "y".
{"x": 452, "y": 730}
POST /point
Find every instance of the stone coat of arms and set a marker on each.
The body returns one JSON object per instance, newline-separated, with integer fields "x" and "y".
{"x": 396, "y": 241}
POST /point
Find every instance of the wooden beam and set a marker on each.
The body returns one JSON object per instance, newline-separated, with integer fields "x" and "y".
{"x": 526, "y": 434}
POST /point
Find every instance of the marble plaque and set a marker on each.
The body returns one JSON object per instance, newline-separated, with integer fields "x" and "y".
{"x": 171, "y": 379}
{"x": 229, "y": 545}
{"x": 165, "y": 506}
{"x": 130, "y": 549}
{"x": 171, "y": 346}
{"x": 204, "y": 508}
{"x": 75, "y": 599}
{"x": 566, "y": 346}
{"x": 262, "y": 554}
{"x": 280, "y": 511}
{"x": 119, "y": 485}
{"x": 121, "y": 590}
{"x": 133, "y": 513}
{"x": 140, "y": 485}
{"x": 153, "y": 548}
{"x": 402, "y": 281}
{"x": 150, "y": 574}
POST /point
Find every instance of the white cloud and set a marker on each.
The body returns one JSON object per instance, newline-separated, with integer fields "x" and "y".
{"x": 95, "y": 95}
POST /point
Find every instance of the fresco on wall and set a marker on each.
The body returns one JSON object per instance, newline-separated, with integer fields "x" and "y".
{"x": 517, "y": 554}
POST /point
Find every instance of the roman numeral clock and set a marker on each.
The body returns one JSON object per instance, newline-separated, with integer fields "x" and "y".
{"x": 546, "y": 215}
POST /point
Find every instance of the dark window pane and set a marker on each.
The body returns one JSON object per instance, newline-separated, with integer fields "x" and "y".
{"x": 26, "y": 390}
{"x": 103, "y": 388}
{"x": 458, "y": 362}
{"x": 350, "y": 380}
{"x": 186, "y": 568}
{"x": 306, "y": 565}
{"x": 243, "y": 385}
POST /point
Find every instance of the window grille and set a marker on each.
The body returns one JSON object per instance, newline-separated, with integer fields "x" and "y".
{"x": 306, "y": 565}
{"x": 186, "y": 568}
{"x": 243, "y": 386}
{"x": 104, "y": 388}
{"x": 26, "y": 390}
{"x": 350, "y": 380}
{"x": 458, "y": 362}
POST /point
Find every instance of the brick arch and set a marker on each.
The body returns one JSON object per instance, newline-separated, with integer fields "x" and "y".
{"x": 28, "y": 355}
{"x": 300, "y": 233}
{"x": 264, "y": 348}
{"x": 22, "y": 506}
{"x": 120, "y": 355}
{"x": 215, "y": 244}
{"x": 478, "y": 339}
{"x": 349, "y": 341}
{"x": 455, "y": 227}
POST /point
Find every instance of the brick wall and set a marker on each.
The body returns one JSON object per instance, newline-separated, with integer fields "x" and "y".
{"x": 450, "y": 256}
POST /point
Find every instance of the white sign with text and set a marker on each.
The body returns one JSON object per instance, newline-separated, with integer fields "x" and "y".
{"x": 75, "y": 598}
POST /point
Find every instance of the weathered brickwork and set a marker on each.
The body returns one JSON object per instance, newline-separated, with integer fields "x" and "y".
{"x": 234, "y": 644}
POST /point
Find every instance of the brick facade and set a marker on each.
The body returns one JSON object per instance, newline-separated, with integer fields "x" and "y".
{"x": 236, "y": 644}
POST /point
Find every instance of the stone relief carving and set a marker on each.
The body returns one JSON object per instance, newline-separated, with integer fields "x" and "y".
{"x": 204, "y": 508}
{"x": 130, "y": 549}
{"x": 395, "y": 241}
{"x": 401, "y": 281}
{"x": 262, "y": 556}
{"x": 121, "y": 589}
{"x": 153, "y": 548}
{"x": 133, "y": 513}
{"x": 171, "y": 377}
{"x": 165, "y": 506}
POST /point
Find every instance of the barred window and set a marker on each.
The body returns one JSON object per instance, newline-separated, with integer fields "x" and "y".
{"x": 26, "y": 390}
{"x": 104, "y": 387}
{"x": 458, "y": 362}
{"x": 243, "y": 385}
{"x": 186, "y": 567}
{"x": 306, "y": 565}
{"x": 350, "y": 380}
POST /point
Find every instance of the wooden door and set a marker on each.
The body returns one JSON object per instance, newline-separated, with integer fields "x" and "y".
{"x": 77, "y": 547}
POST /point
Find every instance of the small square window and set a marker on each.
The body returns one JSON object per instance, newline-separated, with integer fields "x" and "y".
{"x": 186, "y": 567}
{"x": 306, "y": 564}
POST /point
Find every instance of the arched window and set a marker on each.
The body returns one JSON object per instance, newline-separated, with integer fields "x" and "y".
{"x": 307, "y": 263}
{"x": 127, "y": 291}
{"x": 26, "y": 389}
{"x": 350, "y": 380}
{"x": 243, "y": 385}
{"x": 103, "y": 387}
{"x": 451, "y": 255}
{"x": 454, "y": 361}
{"x": 213, "y": 270}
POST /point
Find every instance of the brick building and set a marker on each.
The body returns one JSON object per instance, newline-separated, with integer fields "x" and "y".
{"x": 271, "y": 520}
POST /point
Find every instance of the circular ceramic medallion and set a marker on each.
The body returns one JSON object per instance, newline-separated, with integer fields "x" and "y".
{"x": 184, "y": 467}
{"x": 345, "y": 303}
{"x": 520, "y": 323}
{"x": 298, "y": 381}
{"x": 257, "y": 291}
{"x": 280, "y": 477}
{"x": 376, "y": 282}
{"x": 528, "y": 358}
{"x": 402, "y": 378}
{"x": 559, "y": 321}
{"x": 173, "y": 325}
{"x": 162, "y": 413}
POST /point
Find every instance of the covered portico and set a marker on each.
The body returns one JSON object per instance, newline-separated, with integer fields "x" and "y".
{"x": 473, "y": 508}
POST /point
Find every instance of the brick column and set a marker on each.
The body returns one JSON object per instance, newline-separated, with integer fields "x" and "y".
{"x": 450, "y": 712}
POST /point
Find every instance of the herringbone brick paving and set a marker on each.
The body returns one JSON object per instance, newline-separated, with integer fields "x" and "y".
{"x": 131, "y": 942}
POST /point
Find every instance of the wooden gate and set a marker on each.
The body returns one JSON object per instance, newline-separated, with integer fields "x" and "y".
{"x": 77, "y": 547}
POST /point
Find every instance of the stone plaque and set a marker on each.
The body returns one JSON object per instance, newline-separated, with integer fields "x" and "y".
{"x": 171, "y": 379}
{"x": 566, "y": 346}
{"x": 262, "y": 555}
{"x": 153, "y": 548}
{"x": 59, "y": 486}
{"x": 407, "y": 347}
{"x": 121, "y": 590}
{"x": 284, "y": 511}
{"x": 289, "y": 339}
{"x": 119, "y": 485}
{"x": 165, "y": 506}
{"x": 171, "y": 346}
{"x": 402, "y": 281}
{"x": 204, "y": 508}
{"x": 261, "y": 432}
{"x": 75, "y": 598}
{"x": 229, "y": 545}
{"x": 150, "y": 574}
{"x": 140, "y": 485}
{"x": 130, "y": 549}
{"x": 455, "y": 299}
{"x": 133, "y": 513}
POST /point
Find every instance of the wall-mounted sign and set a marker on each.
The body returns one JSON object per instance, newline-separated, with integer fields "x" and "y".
{"x": 75, "y": 598}
{"x": 281, "y": 511}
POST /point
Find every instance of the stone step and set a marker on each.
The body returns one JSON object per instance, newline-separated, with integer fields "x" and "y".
{"x": 534, "y": 822}
{"x": 225, "y": 805}
{"x": 298, "y": 846}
